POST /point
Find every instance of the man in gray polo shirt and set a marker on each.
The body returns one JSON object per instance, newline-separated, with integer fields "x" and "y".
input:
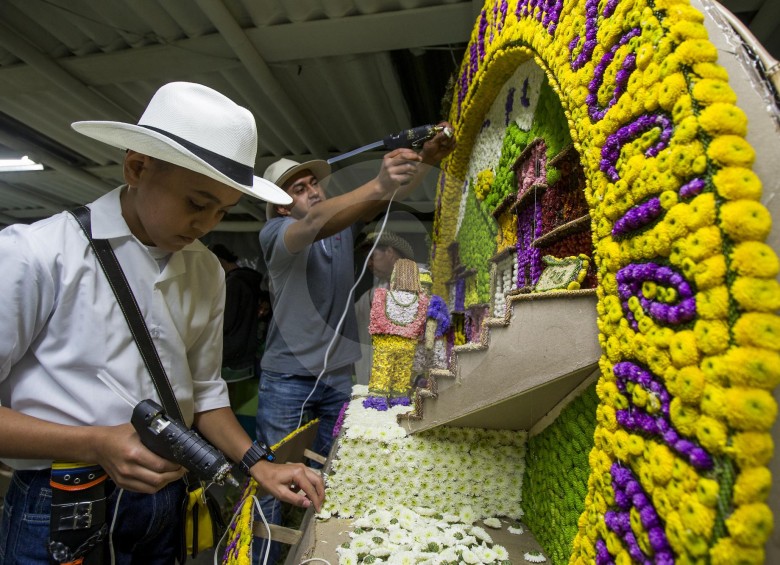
{"x": 308, "y": 247}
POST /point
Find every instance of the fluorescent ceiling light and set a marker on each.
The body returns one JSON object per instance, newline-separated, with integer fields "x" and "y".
{"x": 23, "y": 164}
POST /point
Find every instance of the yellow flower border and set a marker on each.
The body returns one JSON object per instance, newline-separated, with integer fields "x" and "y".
{"x": 719, "y": 366}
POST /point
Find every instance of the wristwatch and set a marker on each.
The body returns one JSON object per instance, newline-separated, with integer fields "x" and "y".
{"x": 258, "y": 452}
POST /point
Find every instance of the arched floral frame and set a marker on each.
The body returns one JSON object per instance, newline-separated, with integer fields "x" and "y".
{"x": 687, "y": 293}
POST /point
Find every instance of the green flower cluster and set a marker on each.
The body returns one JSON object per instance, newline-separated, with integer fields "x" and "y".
{"x": 556, "y": 479}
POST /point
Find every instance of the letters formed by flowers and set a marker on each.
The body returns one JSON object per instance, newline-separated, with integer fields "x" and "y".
{"x": 687, "y": 289}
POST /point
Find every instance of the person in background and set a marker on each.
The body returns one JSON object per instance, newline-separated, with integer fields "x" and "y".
{"x": 187, "y": 163}
{"x": 308, "y": 247}
{"x": 242, "y": 316}
{"x": 390, "y": 248}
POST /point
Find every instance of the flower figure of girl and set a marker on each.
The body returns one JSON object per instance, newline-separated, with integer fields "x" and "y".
{"x": 398, "y": 317}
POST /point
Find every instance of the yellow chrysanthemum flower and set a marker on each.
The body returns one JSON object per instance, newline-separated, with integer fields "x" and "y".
{"x": 745, "y": 220}
{"x": 702, "y": 210}
{"x": 712, "y": 434}
{"x": 727, "y": 552}
{"x": 711, "y": 70}
{"x": 687, "y": 383}
{"x": 714, "y": 400}
{"x": 712, "y": 336}
{"x": 661, "y": 463}
{"x": 710, "y": 272}
{"x": 672, "y": 87}
{"x": 751, "y": 409}
{"x": 683, "y": 349}
{"x": 722, "y": 119}
{"x": 752, "y": 485}
{"x": 735, "y": 183}
{"x": 707, "y": 491}
{"x": 751, "y": 524}
{"x": 753, "y": 367}
{"x": 759, "y": 330}
{"x": 695, "y": 51}
{"x": 755, "y": 259}
{"x": 731, "y": 151}
{"x": 696, "y": 516}
{"x": 683, "y": 417}
{"x": 751, "y": 449}
{"x": 713, "y": 303}
{"x": 762, "y": 295}
{"x": 710, "y": 91}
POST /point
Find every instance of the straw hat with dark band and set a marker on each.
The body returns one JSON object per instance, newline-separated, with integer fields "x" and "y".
{"x": 279, "y": 172}
{"x": 197, "y": 128}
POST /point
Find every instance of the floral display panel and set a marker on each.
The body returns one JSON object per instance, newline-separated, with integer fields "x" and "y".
{"x": 687, "y": 289}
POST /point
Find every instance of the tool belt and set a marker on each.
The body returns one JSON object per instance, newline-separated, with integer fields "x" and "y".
{"x": 78, "y": 514}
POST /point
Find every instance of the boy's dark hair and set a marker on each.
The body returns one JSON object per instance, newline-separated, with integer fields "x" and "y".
{"x": 223, "y": 253}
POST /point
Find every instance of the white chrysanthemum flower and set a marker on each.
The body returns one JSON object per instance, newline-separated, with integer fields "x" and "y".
{"x": 347, "y": 556}
{"x": 467, "y": 515}
{"x": 451, "y": 518}
{"x": 424, "y": 511}
{"x": 486, "y": 554}
{"x": 516, "y": 530}
{"x": 398, "y": 536}
{"x": 492, "y": 522}
{"x": 481, "y": 534}
{"x": 449, "y": 555}
{"x": 363, "y": 522}
{"x": 381, "y": 551}
{"x": 403, "y": 558}
{"x": 501, "y": 553}
{"x": 323, "y": 514}
{"x": 426, "y": 534}
{"x": 362, "y": 544}
{"x": 468, "y": 556}
{"x": 534, "y": 557}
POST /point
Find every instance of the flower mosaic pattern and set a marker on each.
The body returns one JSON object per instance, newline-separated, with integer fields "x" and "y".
{"x": 687, "y": 290}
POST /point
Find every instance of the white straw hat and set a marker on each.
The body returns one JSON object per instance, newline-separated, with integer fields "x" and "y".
{"x": 197, "y": 128}
{"x": 282, "y": 170}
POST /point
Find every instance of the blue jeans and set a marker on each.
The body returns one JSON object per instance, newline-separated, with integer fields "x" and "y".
{"x": 146, "y": 529}
{"x": 279, "y": 401}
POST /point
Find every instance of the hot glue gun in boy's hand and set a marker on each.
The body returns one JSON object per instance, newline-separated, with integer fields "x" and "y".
{"x": 172, "y": 440}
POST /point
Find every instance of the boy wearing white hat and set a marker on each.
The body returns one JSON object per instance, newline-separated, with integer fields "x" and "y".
{"x": 188, "y": 162}
{"x": 309, "y": 250}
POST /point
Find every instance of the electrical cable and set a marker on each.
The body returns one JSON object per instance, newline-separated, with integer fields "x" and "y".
{"x": 113, "y": 523}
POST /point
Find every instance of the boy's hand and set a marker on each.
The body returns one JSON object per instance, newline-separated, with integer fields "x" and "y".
{"x": 294, "y": 483}
{"x": 130, "y": 464}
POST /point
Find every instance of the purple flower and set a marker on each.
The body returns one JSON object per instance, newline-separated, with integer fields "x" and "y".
{"x": 437, "y": 310}
{"x": 400, "y": 401}
{"x": 340, "y": 420}
{"x": 692, "y": 188}
{"x": 657, "y": 537}
{"x": 602, "y": 554}
{"x": 376, "y": 403}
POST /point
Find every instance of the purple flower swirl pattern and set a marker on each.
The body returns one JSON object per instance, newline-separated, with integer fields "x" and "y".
{"x": 548, "y": 12}
{"x": 630, "y": 280}
{"x": 629, "y": 494}
{"x": 658, "y": 424}
{"x": 621, "y": 80}
{"x": 610, "y": 152}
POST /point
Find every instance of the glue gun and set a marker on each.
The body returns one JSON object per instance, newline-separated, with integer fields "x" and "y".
{"x": 412, "y": 138}
{"x": 172, "y": 440}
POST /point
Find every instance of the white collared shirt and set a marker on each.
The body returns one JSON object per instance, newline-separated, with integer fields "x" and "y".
{"x": 60, "y": 322}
